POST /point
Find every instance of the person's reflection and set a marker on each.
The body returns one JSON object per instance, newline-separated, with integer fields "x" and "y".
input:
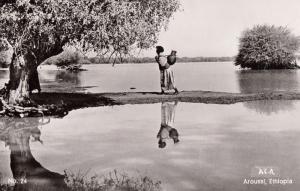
{"x": 28, "y": 173}
{"x": 167, "y": 122}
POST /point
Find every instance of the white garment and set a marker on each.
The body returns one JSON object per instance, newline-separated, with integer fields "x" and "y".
{"x": 167, "y": 79}
{"x": 168, "y": 113}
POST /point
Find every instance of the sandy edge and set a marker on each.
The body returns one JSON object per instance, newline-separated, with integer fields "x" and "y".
{"x": 72, "y": 101}
{"x": 197, "y": 97}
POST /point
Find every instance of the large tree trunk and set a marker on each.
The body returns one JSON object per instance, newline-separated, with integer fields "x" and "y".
{"x": 23, "y": 68}
{"x": 23, "y": 79}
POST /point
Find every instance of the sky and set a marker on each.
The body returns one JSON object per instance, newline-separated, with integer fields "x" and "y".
{"x": 213, "y": 27}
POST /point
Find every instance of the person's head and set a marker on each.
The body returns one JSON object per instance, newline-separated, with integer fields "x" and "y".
{"x": 159, "y": 49}
{"x": 162, "y": 144}
{"x": 173, "y": 133}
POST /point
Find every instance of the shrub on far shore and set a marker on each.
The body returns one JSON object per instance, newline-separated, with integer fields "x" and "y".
{"x": 67, "y": 59}
{"x": 267, "y": 47}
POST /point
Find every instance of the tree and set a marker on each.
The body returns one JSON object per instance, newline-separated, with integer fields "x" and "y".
{"x": 39, "y": 29}
{"x": 267, "y": 47}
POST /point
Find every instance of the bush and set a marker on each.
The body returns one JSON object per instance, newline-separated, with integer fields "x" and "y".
{"x": 69, "y": 60}
{"x": 267, "y": 47}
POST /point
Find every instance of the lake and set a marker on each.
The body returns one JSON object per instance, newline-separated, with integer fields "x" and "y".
{"x": 187, "y": 146}
{"x": 209, "y": 76}
{"x": 219, "y": 145}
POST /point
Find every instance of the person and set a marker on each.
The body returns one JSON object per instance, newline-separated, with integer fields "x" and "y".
{"x": 166, "y": 130}
{"x": 167, "y": 80}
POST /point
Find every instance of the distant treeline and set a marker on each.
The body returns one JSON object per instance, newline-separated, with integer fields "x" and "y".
{"x": 67, "y": 58}
{"x": 97, "y": 60}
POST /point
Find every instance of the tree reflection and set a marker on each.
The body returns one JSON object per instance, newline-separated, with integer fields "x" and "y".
{"x": 257, "y": 81}
{"x": 269, "y": 106}
{"x": 167, "y": 122}
{"x": 71, "y": 78}
{"x": 252, "y": 81}
{"x": 27, "y": 172}
{"x": 60, "y": 80}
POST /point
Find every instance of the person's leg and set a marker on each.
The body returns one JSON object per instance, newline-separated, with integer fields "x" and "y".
{"x": 172, "y": 81}
{"x": 162, "y": 81}
{"x": 176, "y": 90}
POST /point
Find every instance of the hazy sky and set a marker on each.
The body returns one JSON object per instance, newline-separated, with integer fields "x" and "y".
{"x": 212, "y": 27}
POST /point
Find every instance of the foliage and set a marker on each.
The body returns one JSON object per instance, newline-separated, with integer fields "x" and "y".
{"x": 267, "y": 47}
{"x": 114, "y": 181}
{"x": 114, "y": 27}
{"x": 67, "y": 59}
{"x": 98, "y": 60}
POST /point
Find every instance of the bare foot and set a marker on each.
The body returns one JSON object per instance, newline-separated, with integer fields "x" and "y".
{"x": 176, "y": 91}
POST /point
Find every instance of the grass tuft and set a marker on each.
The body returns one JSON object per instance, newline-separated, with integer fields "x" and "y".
{"x": 113, "y": 181}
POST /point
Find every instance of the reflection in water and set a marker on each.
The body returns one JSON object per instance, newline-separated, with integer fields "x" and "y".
{"x": 253, "y": 81}
{"x": 270, "y": 106}
{"x": 60, "y": 81}
{"x": 68, "y": 77}
{"x": 29, "y": 173}
{"x": 167, "y": 122}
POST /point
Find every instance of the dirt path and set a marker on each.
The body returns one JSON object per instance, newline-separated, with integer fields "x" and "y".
{"x": 78, "y": 100}
{"x": 61, "y": 103}
{"x": 198, "y": 97}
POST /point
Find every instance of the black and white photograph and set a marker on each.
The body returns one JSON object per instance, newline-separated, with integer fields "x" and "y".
{"x": 149, "y": 95}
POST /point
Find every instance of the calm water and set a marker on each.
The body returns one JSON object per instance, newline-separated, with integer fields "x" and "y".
{"x": 219, "y": 76}
{"x": 219, "y": 145}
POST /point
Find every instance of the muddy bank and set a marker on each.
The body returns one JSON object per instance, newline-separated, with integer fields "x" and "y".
{"x": 65, "y": 102}
{"x": 197, "y": 97}
{"x": 59, "y": 104}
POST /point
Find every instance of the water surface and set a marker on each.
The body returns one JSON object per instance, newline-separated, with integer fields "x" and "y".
{"x": 218, "y": 145}
{"x": 186, "y": 146}
{"x": 209, "y": 76}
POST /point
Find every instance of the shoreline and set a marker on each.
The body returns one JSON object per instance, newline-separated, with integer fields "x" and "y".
{"x": 65, "y": 102}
